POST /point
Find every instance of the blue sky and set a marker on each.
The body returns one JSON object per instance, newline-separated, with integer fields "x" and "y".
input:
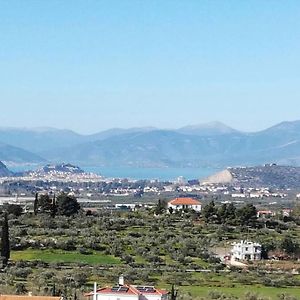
{"x": 92, "y": 65}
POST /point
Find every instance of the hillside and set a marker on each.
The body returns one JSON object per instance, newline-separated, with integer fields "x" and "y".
{"x": 60, "y": 168}
{"x": 39, "y": 139}
{"x": 158, "y": 148}
{"x": 15, "y": 155}
{"x": 4, "y": 171}
{"x": 270, "y": 175}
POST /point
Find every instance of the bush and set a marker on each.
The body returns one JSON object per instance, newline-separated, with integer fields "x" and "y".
{"x": 85, "y": 251}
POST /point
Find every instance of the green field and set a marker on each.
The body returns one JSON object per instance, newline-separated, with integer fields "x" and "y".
{"x": 60, "y": 256}
{"x": 239, "y": 291}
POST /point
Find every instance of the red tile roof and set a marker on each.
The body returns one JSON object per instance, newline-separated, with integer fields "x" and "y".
{"x": 185, "y": 201}
{"x": 108, "y": 290}
{"x": 18, "y": 297}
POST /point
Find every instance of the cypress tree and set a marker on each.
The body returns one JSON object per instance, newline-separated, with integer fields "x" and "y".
{"x": 53, "y": 290}
{"x": 53, "y": 207}
{"x": 174, "y": 293}
{"x": 35, "y": 204}
{"x": 5, "y": 248}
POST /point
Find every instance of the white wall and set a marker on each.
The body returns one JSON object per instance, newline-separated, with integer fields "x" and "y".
{"x": 178, "y": 207}
{"x": 116, "y": 296}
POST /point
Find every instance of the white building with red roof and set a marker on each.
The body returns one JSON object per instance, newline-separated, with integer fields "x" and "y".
{"x": 185, "y": 203}
{"x": 127, "y": 292}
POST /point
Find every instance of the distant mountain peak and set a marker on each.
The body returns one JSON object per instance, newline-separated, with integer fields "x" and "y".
{"x": 287, "y": 125}
{"x": 205, "y": 129}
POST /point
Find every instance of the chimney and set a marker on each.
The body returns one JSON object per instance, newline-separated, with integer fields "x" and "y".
{"x": 95, "y": 291}
{"x": 121, "y": 280}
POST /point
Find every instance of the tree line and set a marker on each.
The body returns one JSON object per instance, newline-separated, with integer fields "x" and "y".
{"x": 64, "y": 205}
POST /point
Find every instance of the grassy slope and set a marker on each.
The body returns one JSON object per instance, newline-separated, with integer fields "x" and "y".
{"x": 64, "y": 256}
{"x": 239, "y": 291}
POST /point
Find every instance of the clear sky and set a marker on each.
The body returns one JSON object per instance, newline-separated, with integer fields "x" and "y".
{"x": 92, "y": 65}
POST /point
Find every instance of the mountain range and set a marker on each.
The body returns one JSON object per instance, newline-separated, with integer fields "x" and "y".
{"x": 210, "y": 145}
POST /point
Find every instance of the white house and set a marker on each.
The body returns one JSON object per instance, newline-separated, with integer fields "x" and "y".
{"x": 185, "y": 203}
{"x": 265, "y": 213}
{"x": 246, "y": 250}
{"x": 127, "y": 292}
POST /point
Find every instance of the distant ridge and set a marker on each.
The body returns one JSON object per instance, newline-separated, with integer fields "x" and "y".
{"x": 4, "y": 172}
{"x": 207, "y": 129}
{"x": 11, "y": 155}
{"x": 206, "y": 145}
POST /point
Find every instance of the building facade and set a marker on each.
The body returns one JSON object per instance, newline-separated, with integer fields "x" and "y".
{"x": 246, "y": 250}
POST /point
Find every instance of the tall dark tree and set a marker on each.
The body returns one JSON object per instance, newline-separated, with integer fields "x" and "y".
{"x": 36, "y": 203}
{"x": 67, "y": 205}
{"x": 5, "y": 247}
{"x": 222, "y": 213}
{"x": 45, "y": 203}
{"x": 247, "y": 215}
{"x": 290, "y": 246}
{"x": 160, "y": 206}
{"x": 53, "y": 290}
{"x": 13, "y": 209}
{"x": 173, "y": 293}
{"x": 231, "y": 211}
{"x": 209, "y": 212}
{"x": 226, "y": 214}
{"x": 53, "y": 207}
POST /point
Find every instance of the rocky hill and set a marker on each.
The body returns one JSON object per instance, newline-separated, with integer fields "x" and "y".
{"x": 270, "y": 175}
{"x": 60, "y": 168}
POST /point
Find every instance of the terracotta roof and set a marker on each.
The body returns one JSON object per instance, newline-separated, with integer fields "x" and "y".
{"x": 18, "y": 297}
{"x": 157, "y": 291}
{"x": 185, "y": 201}
{"x": 108, "y": 290}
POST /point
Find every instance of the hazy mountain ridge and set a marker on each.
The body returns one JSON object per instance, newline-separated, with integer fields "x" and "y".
{"x": 15, "y": 155}
{"x": 208, "y": 129}
{"x": 4, "y": 171}
{"x": 213, "y": 144}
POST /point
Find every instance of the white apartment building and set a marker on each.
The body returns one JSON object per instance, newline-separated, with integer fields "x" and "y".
{"x": 246, "y": 250}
